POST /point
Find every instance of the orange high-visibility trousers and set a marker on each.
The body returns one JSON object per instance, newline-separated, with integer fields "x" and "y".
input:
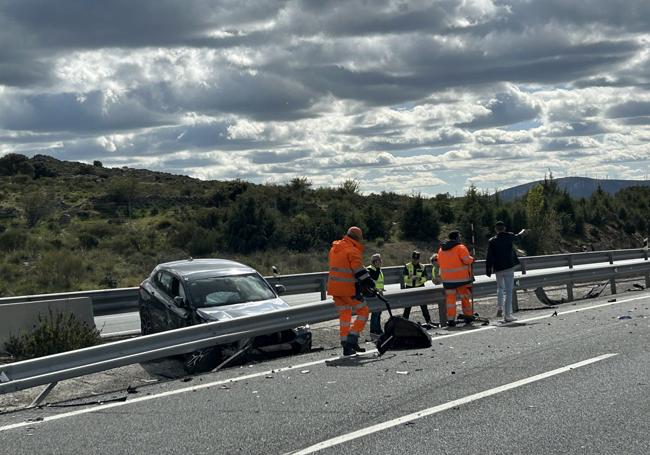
{"x": 345, "y": 307}
{"x": 450, "y": 299}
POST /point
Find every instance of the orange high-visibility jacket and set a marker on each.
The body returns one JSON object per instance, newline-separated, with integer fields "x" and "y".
{"x": 455, "y": 264}
{"x": 346, "y": 267}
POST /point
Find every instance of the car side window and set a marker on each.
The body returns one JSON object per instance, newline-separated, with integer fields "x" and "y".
{"x": 177, "y": 289}
{"x": 165, "y": 282}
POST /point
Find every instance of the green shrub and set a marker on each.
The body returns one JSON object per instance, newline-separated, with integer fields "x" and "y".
{"x": 55, "y": 333}
{"x": 36, "y": 206}
{"x": 88, "y": 241}
{"x": 12, "y": 240}
{"x": 59, "y": 271}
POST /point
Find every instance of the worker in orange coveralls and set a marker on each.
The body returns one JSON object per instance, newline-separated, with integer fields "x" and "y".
{"x": 456, "y": 274}
{"x": 348, "y": 279}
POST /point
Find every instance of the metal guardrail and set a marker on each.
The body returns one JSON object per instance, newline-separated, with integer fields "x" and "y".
{"x": 51, "y": 369}
{"x": 111, "y": 301}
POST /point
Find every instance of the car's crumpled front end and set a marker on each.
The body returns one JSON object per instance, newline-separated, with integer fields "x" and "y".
{"x": 298, "y": 339}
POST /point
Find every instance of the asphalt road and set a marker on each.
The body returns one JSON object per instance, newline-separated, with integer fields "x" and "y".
{"x": 577, "y": 382}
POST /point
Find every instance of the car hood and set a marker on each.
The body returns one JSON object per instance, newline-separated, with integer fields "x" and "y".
{"x": 225, "y": 312}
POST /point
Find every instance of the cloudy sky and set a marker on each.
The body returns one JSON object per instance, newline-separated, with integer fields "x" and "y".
{"x": 406, "y": 96}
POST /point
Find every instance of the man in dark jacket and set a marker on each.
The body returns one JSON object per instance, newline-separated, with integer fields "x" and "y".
{"x": 502, "y": 259}
{"x": 375, "y": 272}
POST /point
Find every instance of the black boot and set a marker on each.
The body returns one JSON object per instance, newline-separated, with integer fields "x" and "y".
{"x": 468, "y": 319}
{"x": 347, "y": 349}
{"x": 353, "y": 342}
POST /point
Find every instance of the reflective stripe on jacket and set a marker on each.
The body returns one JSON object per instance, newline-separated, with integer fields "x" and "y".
{"x": 414, "y": 278}
{"x": 346, "y": 267}
{"x": 455, "y": 266}
{"x": 378, "y": 276}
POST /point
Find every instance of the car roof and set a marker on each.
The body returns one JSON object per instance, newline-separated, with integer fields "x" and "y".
{"x": 198, "y": 268}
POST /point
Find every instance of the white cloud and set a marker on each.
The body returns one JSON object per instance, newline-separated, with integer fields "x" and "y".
{"x": 446, "y": 93}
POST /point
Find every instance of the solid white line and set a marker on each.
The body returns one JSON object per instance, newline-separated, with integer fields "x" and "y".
{"x": 170, "y": 393}
{"x": 443, "y": 407}
{"x": 279, "y": 370}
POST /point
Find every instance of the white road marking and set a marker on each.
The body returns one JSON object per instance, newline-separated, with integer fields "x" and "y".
{"x": 279, "y": 370}
{"x": 169, "y": 393}
{"x": 443, "y": 407}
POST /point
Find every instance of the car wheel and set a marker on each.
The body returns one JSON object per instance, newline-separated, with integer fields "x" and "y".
{"x": 301, "y": 348}
{"x": 145, "y": 323}
{"x": 202, "y": 361}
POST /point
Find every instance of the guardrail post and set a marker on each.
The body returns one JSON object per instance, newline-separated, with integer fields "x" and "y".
{"x": 645, "y": 254}
{"x": 442, "y": 314}
{"x": 570, "y": 261}
{"x": 569, "y": 292}
{"x": 523, "y": 267}
{"x": 323, "y": 290}
{"x": 515, "y": 301}
{"x": 612, "y": 284}
{"x": 43, "y": 395}
{"x": 647, "y": 280}
{"x": 611, "y": 257}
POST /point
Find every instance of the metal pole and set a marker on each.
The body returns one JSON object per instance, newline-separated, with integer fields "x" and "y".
{"x": 612, "y": 283}
{"x": 569, "y": 291}
{"x": 323, "y": 290}
{"x": 43, "y": 395}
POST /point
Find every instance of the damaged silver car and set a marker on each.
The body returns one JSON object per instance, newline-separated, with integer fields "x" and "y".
{"x": 184, "y": 293}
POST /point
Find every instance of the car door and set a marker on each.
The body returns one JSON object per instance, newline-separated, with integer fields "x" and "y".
{"x": 158, "y": 304}
{"x": 178, "y": 316}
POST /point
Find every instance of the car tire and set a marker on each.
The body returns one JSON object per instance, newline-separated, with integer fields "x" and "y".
{"x": 301, "y": 348}
{"x": 145, "y": 323}
{"x": 202, "y": 361}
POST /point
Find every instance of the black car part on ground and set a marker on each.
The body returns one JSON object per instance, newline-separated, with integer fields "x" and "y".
{"x": 400, "y": 333}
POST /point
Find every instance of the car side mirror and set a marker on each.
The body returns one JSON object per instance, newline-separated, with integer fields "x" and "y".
{"x": 179, "y": 302}
{"x": 280, "y": 289}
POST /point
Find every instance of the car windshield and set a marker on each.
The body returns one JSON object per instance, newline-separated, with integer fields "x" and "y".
{"x": 229, "y": 290}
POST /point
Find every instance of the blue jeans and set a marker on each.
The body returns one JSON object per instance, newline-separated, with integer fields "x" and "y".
{"x": 505, "y": 284}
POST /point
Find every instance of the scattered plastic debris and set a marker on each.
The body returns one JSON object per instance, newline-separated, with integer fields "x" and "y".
{"x": 402, "y": 372}
{"x": 625, "y": 316}
{"x": 304, "y": 371}
{"x": 611, "y": 300}
{"x": 131, "y": 389}
{"x": 554, "y": 313}
{"x": 225, "y": 387}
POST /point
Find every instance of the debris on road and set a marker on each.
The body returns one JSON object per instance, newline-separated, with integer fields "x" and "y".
{"x": 596, "y": 290}
{"x": 402, "y": 372}
{"x": 626, "y": 316}
{"x": 554, "y": 313}
{"x": 304, "y": 371}
{"x": 131, "y": 389}
{"x": 611, "y": 300}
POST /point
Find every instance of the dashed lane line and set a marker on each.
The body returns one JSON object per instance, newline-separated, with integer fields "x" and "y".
{"x": 445, "y": 406}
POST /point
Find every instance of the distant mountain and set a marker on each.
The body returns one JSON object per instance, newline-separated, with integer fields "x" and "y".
{"x": 576, "y": 186}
